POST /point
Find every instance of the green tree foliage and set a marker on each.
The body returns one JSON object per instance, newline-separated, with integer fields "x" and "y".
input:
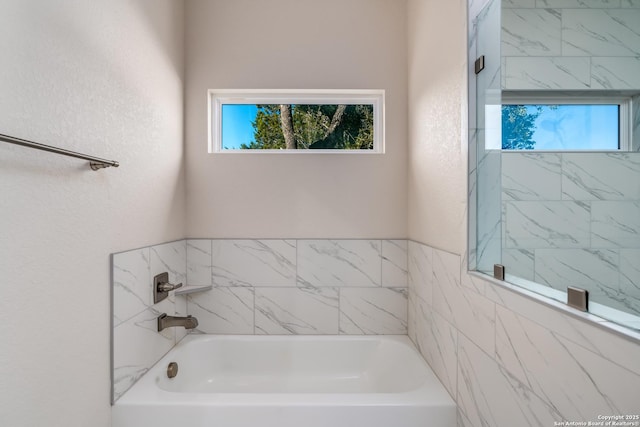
{"x": 518, "y": 126}
{"x": 267, "y": 131}
{"x": 347, "y": 127}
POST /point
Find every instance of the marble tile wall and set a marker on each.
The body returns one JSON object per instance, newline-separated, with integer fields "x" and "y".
{"x": 276, "y": 286}
{"x": 509, "y": 360}
{"x": 574, "y": 44}
{"x": 299, "y": 286}
{"x": 573, "y": 219}
{"x": 137, "y": 345}
{"x": 635, "y": 132}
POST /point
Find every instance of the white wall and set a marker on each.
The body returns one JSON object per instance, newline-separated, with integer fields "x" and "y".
{"x": 102, "y": 77}
{"x": 437, "y": 99}
{"x": 289, "y": 44}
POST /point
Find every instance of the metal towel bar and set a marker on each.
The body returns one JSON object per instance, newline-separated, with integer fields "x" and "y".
{"x": 95, "y": 162}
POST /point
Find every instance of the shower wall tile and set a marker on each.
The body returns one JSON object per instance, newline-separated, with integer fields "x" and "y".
{"x": 503, "y": 74}
{"x": 615, "y": 73}
{"x": 472, "y": 206}
{"x": 421, "y": 270}
{"x": 171, "y": 258}
{"x": 253, "y": 262}
{"x": 337, "y": 263}
{"x": 600, "y": 176}
{"x": 531, "y": 176}
{"x": 180, "y": 309}
{"x": 630, "y": 272}
{"x": 531, "y": 32}
{"x": 506, "y": 4}
{"x": 615, "y": 224}
{"x": 600, "y": 32}
{"x": 488, "y": 208}
{"x": 394, "y": 263}
{"x": 547, "y": 73}
{"x": 352, "y": 265}
{"x": 488, "y": 44}
{"x": 547, "y": 224}
{"x": 624, "y": 352}
{"x": 439, "y": 345}
{"x": 519, "y": 262}
{"x": 635, "y": 107}
{"x": 372, "y": 311}
{"x": 412, "y": 316}
{"x": 596, "y": 48}
{"x": 138, "y": 345}
{"x": 527, "y": 373}
{"x": 468, "y": 311}
{"x": 469, "y": 281}
{"x": 419, "y": 313}
{"x": 199, "y": 262}
{"x": 131, "y": 284}
{"x": 489, "y": 395}
{"x": 477, "y": 8}
{"x": 223, "y": 310}
{"x": 576, "y": 4}
{"x": 604, "y": 387}
{"x": 463, "y": 421}
{"x": 593, "y": 269}
{"x": 435, "y": 338}
{"x": 308, "y": 311}
{"x": 238, "y": 267}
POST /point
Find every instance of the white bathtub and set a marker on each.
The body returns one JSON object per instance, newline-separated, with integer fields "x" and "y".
{"x": 289, "y": 381}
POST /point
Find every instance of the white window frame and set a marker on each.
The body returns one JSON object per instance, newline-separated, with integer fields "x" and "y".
{"x": 219, "y": 97}
{"x": 625, "y": 119}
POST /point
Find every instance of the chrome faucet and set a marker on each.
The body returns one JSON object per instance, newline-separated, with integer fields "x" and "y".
{"x": 165, "y": 321}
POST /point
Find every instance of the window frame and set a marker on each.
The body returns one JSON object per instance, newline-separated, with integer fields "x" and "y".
{"x": 625, "y": 116}
{"x": 217, "y": 97}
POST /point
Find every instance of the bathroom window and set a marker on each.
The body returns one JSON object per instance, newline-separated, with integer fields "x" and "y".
{"x": 296, "y": 121}
{"x": 577, "y": 124}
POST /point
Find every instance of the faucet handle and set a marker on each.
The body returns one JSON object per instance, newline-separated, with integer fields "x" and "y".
{"x": 161, "y": 287}
{"x": 166, "y": 286}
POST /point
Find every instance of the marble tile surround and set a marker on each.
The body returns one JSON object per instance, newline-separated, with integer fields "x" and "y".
{"x": 475, "y": 335}
{"x": 574, "y": 44}
{"x": 137, "y": 345}
{"x": 302, "y": 286}
{"x": 573, "y": 218}
{"x": 509, "y": 360}
{"x": 271, "y": 286}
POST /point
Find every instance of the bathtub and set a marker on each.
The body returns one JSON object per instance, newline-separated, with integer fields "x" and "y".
{"x": 288, "y": 381}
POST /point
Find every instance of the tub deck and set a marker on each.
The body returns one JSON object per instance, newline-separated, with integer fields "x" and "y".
{"x": 289, "y": 381}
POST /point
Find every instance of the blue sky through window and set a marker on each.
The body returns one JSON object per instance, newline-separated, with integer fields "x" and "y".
{"x": 236, "y": 125}
{"x": 575, "y": 127}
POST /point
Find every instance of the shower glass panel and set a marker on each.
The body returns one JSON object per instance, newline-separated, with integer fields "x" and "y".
{"x": 487, "y": 127}
{"x": 566, "y": 214}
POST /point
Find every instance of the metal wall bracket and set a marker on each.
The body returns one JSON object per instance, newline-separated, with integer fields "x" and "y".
{"x": 578, "y": 298}
{"x": 479, "y": 64}
{"x": 498, "y": 271}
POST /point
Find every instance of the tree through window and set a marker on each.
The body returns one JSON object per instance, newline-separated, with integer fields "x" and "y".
{"x": 321, "y": 120}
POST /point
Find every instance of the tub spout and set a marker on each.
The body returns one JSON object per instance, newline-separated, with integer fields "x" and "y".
{"x": 165, "y": 321}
